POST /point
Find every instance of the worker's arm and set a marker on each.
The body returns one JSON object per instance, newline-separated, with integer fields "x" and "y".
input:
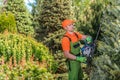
{"x": 81, "y": 36}
{"x": 68, "y": 55}
{"x": 77, "y": 58}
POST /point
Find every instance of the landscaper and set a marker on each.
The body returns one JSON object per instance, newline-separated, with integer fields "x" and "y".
{"x": 71, "y": 49}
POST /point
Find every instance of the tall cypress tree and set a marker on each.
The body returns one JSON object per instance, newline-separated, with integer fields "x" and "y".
{"x": 23, "y": 21}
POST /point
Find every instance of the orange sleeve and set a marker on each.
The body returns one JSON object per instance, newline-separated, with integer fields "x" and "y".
{"x": 79, "y": 35}
{"x": 65, "y": 44}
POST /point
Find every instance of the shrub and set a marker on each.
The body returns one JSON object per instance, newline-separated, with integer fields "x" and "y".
{"x": 29, "y": 72}
{"x": 24, "y": 58}
{"x": 17, "y": 49}
{"x": 7, "y": 21}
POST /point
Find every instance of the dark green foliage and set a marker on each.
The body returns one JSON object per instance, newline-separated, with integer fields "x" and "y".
{"x": 93, "y": 14}
{"x": 7, "y": 22}
{"x": 110, "y": 32}
{"x": 22, "y": 17}
{"x": 36, "y": 9}
{"x": 53, "y": 40}
{"x": 107, "y": 67}
{"x": 51, "y": 16}
{"x": 53, "y": 12}
{"x": 88, "y": 16}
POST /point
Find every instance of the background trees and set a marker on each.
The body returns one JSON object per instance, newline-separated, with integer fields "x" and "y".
{"x": 22, "y": 17}
{"x": 20, "y": 55}
{"x": 45, "y": 19}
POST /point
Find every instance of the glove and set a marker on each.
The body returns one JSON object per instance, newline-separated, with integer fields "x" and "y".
{"x": 81, "y": 59}
{"x": 89, "y": 39}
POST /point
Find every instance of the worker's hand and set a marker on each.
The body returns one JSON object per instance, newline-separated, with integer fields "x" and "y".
{"x": 89, "y": 39}
{"x": 81, "y": 59}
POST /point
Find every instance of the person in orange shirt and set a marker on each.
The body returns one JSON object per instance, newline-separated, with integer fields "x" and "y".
{"x": 71, "y": 49}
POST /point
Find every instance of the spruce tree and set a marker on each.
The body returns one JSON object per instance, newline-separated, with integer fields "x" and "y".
{"x": 36, "y": 10}
{"x": 107, "y": 65}
{"x": 104, "y": 69}
{"x": 52, "y": 14}
{"x": 50, "y": 32}
{"x": 110, "y": 31}
{"x": 87, "y": 14}
{"x": 91, "y": 15}
{"x": 23, "y": 21}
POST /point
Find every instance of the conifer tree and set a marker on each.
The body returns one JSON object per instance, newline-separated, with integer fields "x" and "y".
{"x": 110, "y": 31}
{"x": 87, "y": 14}
{"x": 23, "y": 21}
{"x": 105, "y": 69}
{"x": 36, "y": 10}
{"x": 107, "y": 65}
{"x": 52, "y": 14}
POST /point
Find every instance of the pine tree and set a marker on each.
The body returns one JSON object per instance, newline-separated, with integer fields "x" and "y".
{"x": 23, "y": 21}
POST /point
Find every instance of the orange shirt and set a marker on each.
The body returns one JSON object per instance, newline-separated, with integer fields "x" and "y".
{"x": 66, "y": 42}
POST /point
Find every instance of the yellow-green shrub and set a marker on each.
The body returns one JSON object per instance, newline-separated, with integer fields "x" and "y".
{"x": 20, "y": 47}
{"x": 7, "y": 21}
{"x": 29, "y": 72}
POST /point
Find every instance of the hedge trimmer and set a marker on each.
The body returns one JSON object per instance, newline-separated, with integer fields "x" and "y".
{"x": 89, "y": 48}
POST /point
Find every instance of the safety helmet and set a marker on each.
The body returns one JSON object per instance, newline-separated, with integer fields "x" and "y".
{"x": 67, "y": 22}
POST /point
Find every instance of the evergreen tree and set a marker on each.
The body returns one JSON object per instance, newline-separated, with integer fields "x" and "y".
{"x": 36, "y": 10}
{"x": 107, "y": 66}
{"x": 23, "y": 18}
{"x": 110, "y": 34}
{"x": 92, "y": 14}
{"x": 52, "y": 14}
{"x": 105, "y": 69}
{"x": 88, "y": 14}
